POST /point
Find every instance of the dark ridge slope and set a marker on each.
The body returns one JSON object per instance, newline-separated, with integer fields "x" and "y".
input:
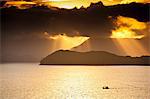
{"x": 92, "y": 58}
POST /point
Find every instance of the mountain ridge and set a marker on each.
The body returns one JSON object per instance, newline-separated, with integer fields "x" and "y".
{"x": 66, "y": 57}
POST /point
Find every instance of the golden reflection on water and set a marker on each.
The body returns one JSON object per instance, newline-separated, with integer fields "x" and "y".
{"x": 30, "y": 81}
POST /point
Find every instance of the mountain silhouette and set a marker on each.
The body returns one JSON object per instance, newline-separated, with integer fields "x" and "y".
{"x": 97, "y": 44}
{"x": 65, "y": 57}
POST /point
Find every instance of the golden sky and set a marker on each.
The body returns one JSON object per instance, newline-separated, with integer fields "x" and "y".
{"x": 62, "y": 41}
{"x": 125, "y": 36}
{"x": 76, "y": 3}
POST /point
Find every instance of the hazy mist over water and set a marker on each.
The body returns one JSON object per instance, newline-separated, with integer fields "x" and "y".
{"x": 32, "y": 81}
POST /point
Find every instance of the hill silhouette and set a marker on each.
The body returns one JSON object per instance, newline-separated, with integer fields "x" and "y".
{"x": 63, "y": 57}
{"x": 97, "y": 44}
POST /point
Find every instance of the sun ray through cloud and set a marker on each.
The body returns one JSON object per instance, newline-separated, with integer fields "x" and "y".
{"x": 126, "y": 38}
{"x": 64, "y": 42}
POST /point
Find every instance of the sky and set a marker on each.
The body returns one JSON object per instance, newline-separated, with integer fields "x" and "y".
{"x": 32, "y": 34}
{"x": 86, "y": 3}
{"x": 126, "y": 39}
{"x": 69, "y": 4}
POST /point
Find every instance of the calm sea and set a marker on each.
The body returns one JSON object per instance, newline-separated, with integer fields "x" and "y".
{"x": 31, "y": 81}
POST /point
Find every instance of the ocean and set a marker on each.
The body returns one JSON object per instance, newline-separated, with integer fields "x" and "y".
{"x": 34, "y": 81}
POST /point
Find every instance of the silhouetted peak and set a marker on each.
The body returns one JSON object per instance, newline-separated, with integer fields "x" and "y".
{"x": 75, "y": 8}
{"x": 98, "y": 4}
{"x": 82, "y": 7}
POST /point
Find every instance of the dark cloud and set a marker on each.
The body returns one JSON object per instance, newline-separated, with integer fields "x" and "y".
{"x": 22, "y": 30}
{"x": 90, "y": 21}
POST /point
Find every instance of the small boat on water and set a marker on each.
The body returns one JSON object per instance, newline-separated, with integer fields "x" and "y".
{"x": 105, "y": 87}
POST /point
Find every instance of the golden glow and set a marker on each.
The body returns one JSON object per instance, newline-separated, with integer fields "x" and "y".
{"x": 69, "y": 4}
{"x": 31, "y": 81}
{"x": 62, "y": 41}
{"x": 126, "y": 28}
{"x": 131, "y": 47}
{"x": 125, "y": 37}
{"x": 130, "y": 23}
{"x": 20, "y": 4}
{"x": 124, "y": 32}
{"x": 84, "y": 47}
{"x": 16, "y": 3}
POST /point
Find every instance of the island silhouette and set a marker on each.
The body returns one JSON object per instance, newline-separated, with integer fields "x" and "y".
{"x": 66, "y": 57}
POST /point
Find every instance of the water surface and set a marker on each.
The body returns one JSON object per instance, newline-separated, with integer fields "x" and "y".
{"x": 31, "y": 81}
